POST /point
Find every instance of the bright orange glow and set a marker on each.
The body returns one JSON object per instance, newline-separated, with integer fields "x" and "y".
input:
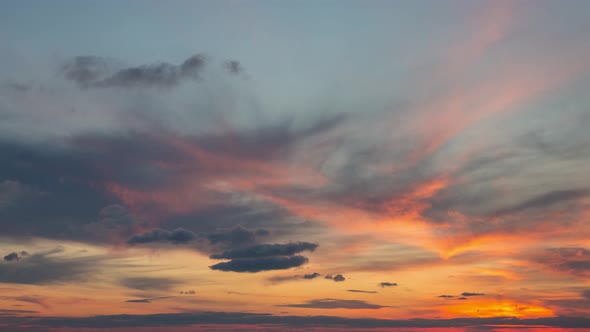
{"x": 497, "y": 308}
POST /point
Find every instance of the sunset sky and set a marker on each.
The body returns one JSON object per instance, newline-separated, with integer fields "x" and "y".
{"x": 271, "y": 165}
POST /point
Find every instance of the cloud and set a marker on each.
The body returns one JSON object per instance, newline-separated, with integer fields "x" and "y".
{"x": 177, "y": 236}
{"x": 336, "y": 278}
{"x": 311, "y": 276}
{"x": 260, "y": 264}
{"x": 84, "y": 70}
{"x": 153, "y": 174}
{"x": 47, "y": 268}
{"x": 139, "y": 301}
{"x": 233, "y": 67}
{"x": 388, "y": 284}
{"x": 27, "y": 299}
{"x": 267, "y": 250}
{"x": 8, "y": 312}
{"x": 149, "y": 300}
{"x": 13, "y": 256}
{"x": 188, "y": 292}
{"x": 150, "y": 283}
{"x": 361, "y": 291}
{"x": 469, "y": 294}
{"x": 333, "y": 304}
{"x": 446, "y": 296}
{"x": 575, "y": 261}
{"x": 547, "y": 199}
{"x": 96, "y": 72}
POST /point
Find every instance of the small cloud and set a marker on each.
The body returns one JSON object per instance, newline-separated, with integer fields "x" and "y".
{"x": 333, "y": 304}
{"x": 361, "y": 291}
{"x": 266, "y": 250}
{"x": 149, "y": 300}
{"x": 388, "y": 284}
{"x": 311, "y": 276}
{"x": 26, "y": 299}
{"x": 462, "y": 298}
{"x": 188, "y": 292}
{"x": 253, "y": 265}
{"x": 13, "y": 256}
{"x": 468, "y": 294}
{"x": 139, "y": 301}
{"x": 234, "y": 67}
{"x": 446, "y": 296}
{"x": 339, "y": 278}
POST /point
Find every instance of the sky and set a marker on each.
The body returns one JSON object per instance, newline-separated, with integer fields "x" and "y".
{"x": 294, "y": 165}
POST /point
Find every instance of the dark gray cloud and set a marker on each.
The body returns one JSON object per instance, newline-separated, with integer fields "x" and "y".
{"x": 361, "y": 291}
{"x": 91, "y": 71}
{"x": 13, "y": 256}
{"x": 149, "y": 300}
{"x": 177, "y": 236}
{"x": 234, "y": 67}
{"x": 388, "y": 284}
{"x": 462, "y": 298}
{"x": 260, "y": 264}
{"x": 56, "y": 190}
{"x": 311, "y": 276}
{"x": 266, "y": 250}
{"x": 446, "y": 296}
{"x": 339, "y": 278}
{"x": 469, "y": 294}
{"x": 139, "y": 301}
{"x": 150, "y": 283}
{"x": 333, "y": 304}
{"x": 188, "y": 292}
{"x": 9, "y": 312}
{"x": 336, "y": 278}
{"x": 84, "y": 70}
{"x": 546, "y": 200}
{"x": 253, "y": 319}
